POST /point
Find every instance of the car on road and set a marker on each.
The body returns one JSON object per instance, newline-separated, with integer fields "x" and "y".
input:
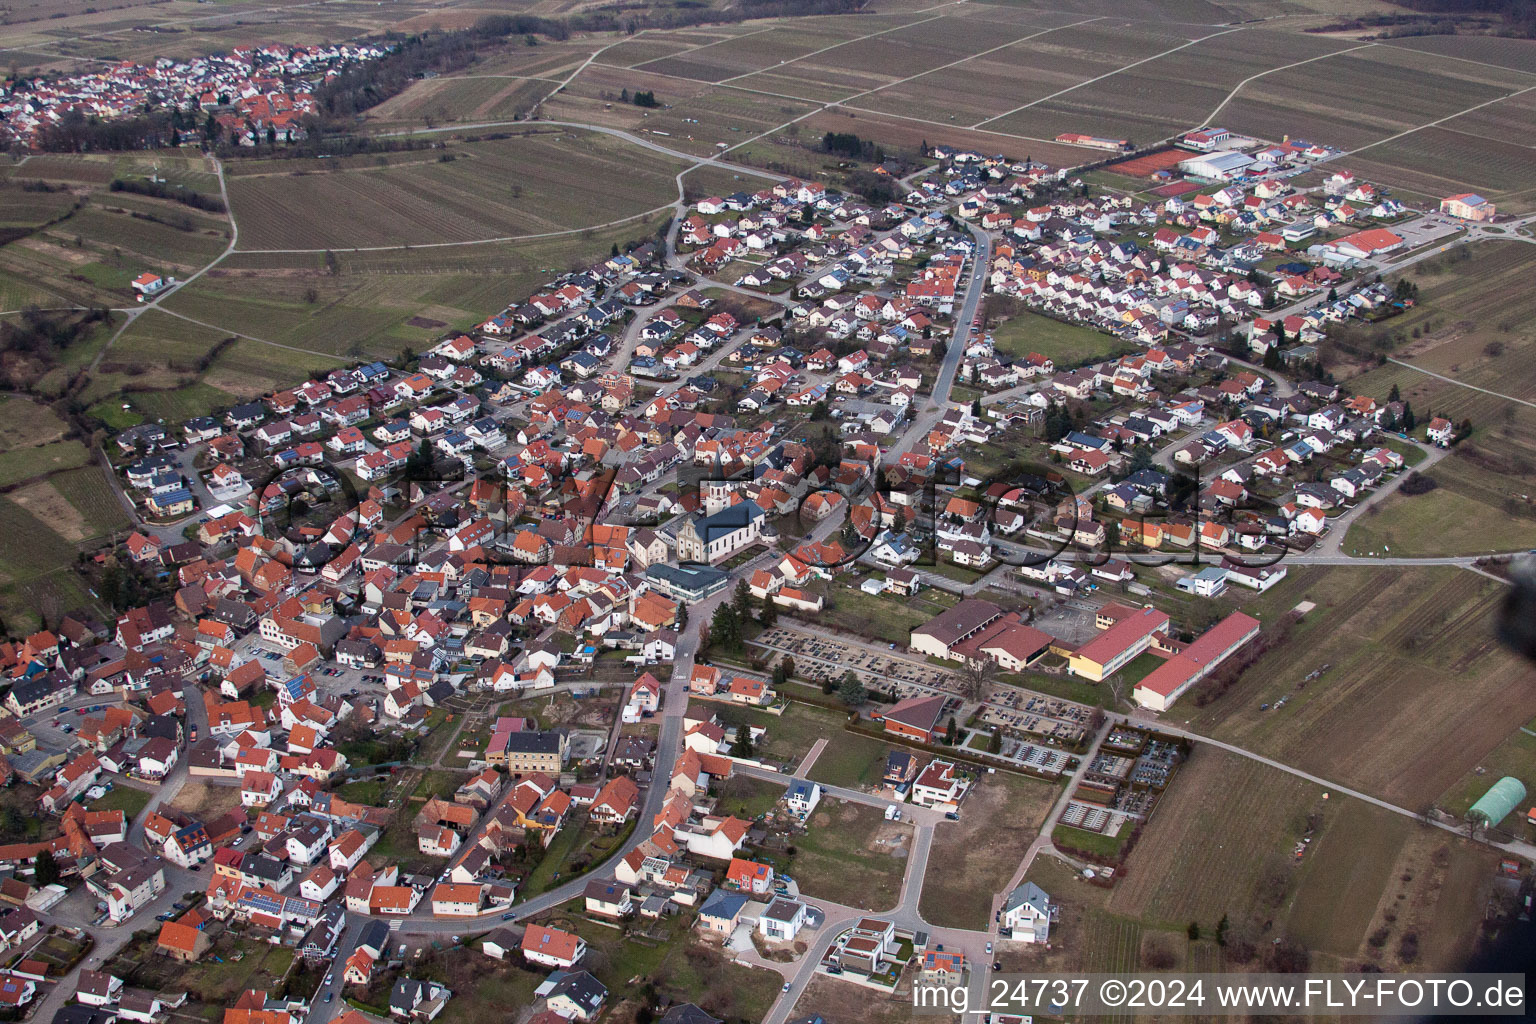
{"x": 508, "y": 917}
{"x": 330, "y": 977}
{"x": 787, "y": 985}
{"x": 329, "y": 996}
{"x": 989, "y": 949}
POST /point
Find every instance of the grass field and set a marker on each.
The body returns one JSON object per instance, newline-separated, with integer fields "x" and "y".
{"x": 748, "y": 798}
{"x": 851, "y": 854}
{"x": 1066, "y": 345}
{"x": 470, "y": 191}
{"x": 973, "y": 859}
{"x": 851, "y": 761}
{"x": 1416, "y": 526}
{"x": 26, "y": 424}
{"x": 1417, "y": 689}
{"x": 123, "y": 798}
{"x": 24, "y": 463}
{"x": 682, "y": 968}
{"x": 791, "y": 735}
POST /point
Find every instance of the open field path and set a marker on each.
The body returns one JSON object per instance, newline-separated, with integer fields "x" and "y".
{"x": 1460, "y": 383}
{"x": 234, "y": 240}
{"x": 1107, "y": 74}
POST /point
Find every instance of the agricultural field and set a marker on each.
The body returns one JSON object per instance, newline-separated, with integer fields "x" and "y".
{"x": 973, "y": 859}
{"x": 1515, "y": 756}
{"x": 1411, "y": 665}
{"x": 1477, "y": 323}
{"x": 1176, "y": 82}
{"x": 474, "y": 191}
{"x": 1334, "y": 898}
{"x": 368, "y": 305}
{"x": 1249, "y": 817}
{"x": 1354, "y": 99}
{"x": 37, "y": 576}
{"x": 472, "y": 98}
{"x": 93, "y": 496}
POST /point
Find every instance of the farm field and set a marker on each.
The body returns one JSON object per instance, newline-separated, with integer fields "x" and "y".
{"x": 1169, "y": 90}
{"x": 514, "y": 186}
{"x": 88, "y": 490}
{"x": 1458, "y": 157}
{"x": 1249, "y": 817}
{"x": 1515, "y": 756}
{"x": 1477, "y": 321}
{"x": 1044, "y": 54}
{"x": 973, "y": 859}
{"x": 37, "y": 575}
{"x": 27, "y": 424}
{"x": 1354, "y": 99}
{"x": 473, "y": 97}
{"x": 1412, "y": 665}
{"x": 20, "y": 464}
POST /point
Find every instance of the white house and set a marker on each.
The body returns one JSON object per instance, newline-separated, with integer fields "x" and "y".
{"x": 802, "y": 798}
{"x": 782, "y": 920}
{"x": 1027, "y": 914}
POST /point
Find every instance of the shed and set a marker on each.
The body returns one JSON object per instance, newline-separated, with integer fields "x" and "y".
{"x": 1502, "y": 797}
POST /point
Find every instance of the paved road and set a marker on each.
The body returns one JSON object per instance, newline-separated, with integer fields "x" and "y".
{"x": 937, "y": 402}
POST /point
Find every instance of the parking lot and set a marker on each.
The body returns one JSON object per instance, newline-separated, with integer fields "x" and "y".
{"x": 819, "y": 657}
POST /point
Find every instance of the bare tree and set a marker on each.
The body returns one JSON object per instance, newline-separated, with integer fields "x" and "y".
{"x": 975, "y": 675}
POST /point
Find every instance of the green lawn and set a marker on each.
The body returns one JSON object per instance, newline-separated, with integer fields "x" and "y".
{"x": 1091, "y": 842}
{"x": 851, "y": 761}
{"x": 1416, "y": 525}
{"x": 1066, "y": 345}
{"x": 1139, "y": 668}
{"x": 364, "y": 791}
{"x": 123, "y": 798}
{"x": 24, "y": 463}
{"x": 746, "y": 797}
{"x": 958, "y": 573}
{"x": 851, "y": 609}
{"x": 791, "y": 735}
